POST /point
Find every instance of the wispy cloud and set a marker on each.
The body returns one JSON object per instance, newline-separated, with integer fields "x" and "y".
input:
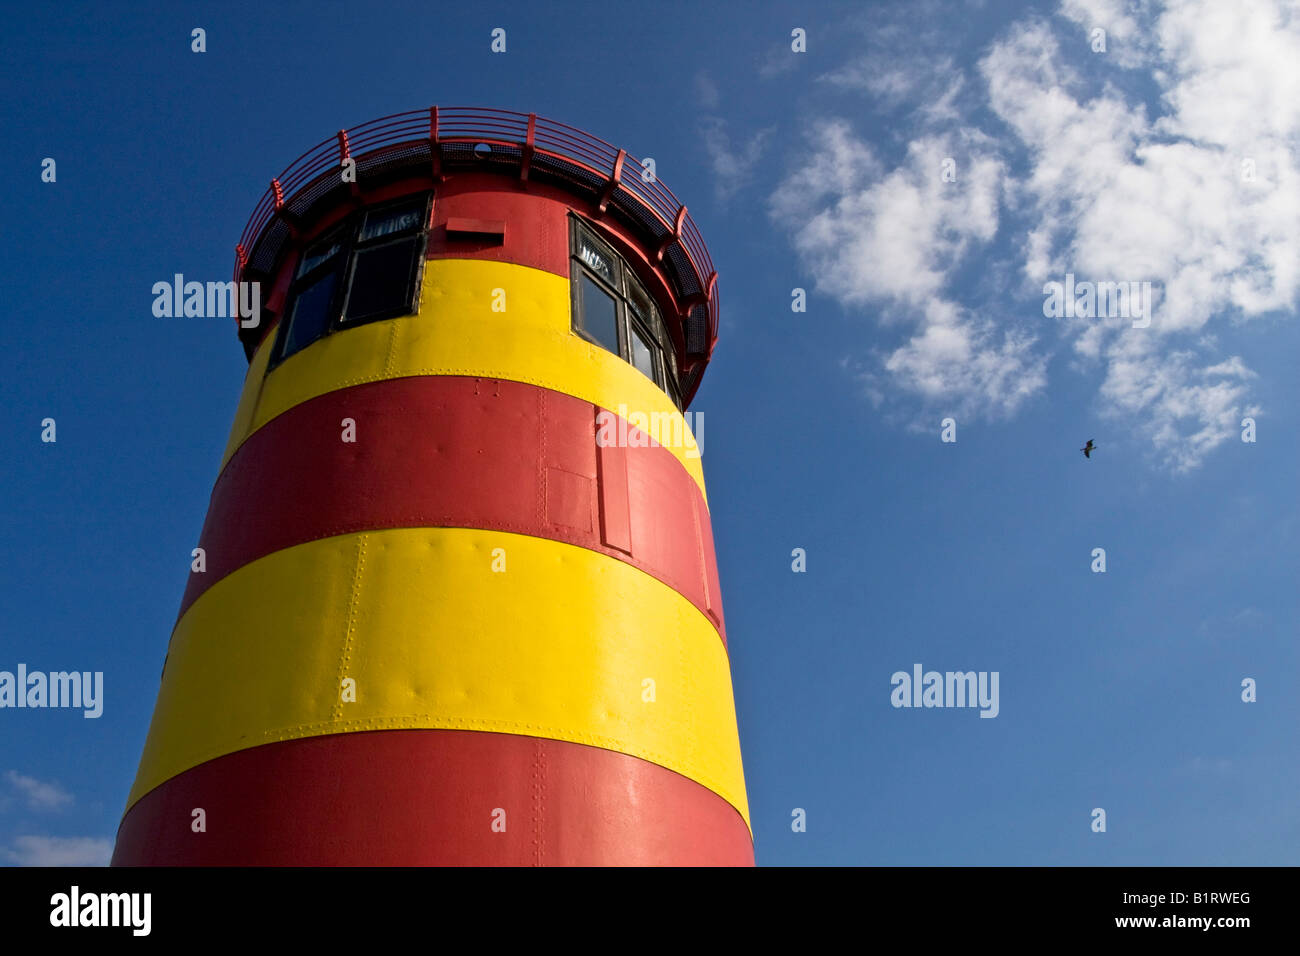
{"x": 1229, "y": 626}
{"x": 891, "y": 239}
{"x": 706, "y": 91}
{"x": 1126, "y": 39}
{"x": 59, "y": 851}
{"x": 929, "y": 86}
{"x": 1201, "y": 765}
{"x": 779, "y": 60}
{"x": 733, "y": 163}
{"x": 37, "y": 794}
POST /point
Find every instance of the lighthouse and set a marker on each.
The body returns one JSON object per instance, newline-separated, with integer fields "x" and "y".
{"x": 455, "y": 600}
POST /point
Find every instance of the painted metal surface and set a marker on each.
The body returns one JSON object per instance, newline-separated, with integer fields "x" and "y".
{"x": 458, "y": 333}
{"x": 432, "y": 798}
{"x": 450, "y": 451}
{"x": 559, "y": 644}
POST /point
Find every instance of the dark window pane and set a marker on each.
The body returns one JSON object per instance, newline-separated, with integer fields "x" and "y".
{"x": 597, "y": 259}
{"x": 381, "y": 281}
{"x": 321, "y": 252}
{"x": 599, "y": 316}
{"x": 644, "y": 309}
{"x": 310, "y": 317}
{"x": 641, "y": 305}
{"x": 639, "y": 310}
{"x": 384, "y": 222}
{"x": 675, "y": 392}
{"x": 642, "y": 354}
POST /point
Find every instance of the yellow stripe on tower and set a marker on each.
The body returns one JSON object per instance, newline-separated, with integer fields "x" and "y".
{"x": 458, "y": 333}
{"x": 558, "y": 645}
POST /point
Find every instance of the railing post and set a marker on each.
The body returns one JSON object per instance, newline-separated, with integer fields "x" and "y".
{"x": 435, "y": 148}
{"x": 528, "y": 147}
{"x": 712, "y": 289}
{"x": 674, "y": 237}
{"x": 614, "y": 180}
{"x": 345, "y": 153}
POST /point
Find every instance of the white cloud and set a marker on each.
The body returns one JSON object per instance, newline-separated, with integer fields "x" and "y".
{"x": 969, "y": 368}
{"x": 1114, "y": 199}
{"x": 59, "y": 851}
{"x": 891, "y": 238}
{"x": 869, "y": 237}
{"x": 1117, "y": 197}
{"x": 1125, "y": 24}
{"x": 1189, "y": 410}
{"x": 37, "y": 794}
{"x": 1235, "y": 71}
{"x": 836, "y": 163}
{"x": 1201, "y": 198}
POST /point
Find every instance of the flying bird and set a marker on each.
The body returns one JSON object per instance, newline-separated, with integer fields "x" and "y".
{"x": 1087, "y": 449}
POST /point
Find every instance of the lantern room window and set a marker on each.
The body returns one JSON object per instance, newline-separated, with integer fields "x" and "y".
{"x": 612, "y": 309}
{"x": 367, "y": 269}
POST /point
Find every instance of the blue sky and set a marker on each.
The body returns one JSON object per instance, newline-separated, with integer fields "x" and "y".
{"x": 1170, "y": 157}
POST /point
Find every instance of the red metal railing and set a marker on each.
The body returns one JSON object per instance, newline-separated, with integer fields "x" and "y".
{"x": 531, "y": 133}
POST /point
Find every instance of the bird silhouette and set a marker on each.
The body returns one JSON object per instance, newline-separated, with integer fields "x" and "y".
{"x": 1087, "y": 449}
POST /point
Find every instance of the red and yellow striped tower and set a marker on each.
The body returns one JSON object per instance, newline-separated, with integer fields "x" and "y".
{"x": 455, "y": 607}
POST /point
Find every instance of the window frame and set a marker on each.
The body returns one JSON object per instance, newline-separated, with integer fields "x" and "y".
{"x": 414, "y": 276}
{"x": 626, "y": 287}
{"x": 638, "y": 330}
{"x": 578, "y": 273}
{"x": 302, "y": 281}
{"x": 347, "y": 233}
